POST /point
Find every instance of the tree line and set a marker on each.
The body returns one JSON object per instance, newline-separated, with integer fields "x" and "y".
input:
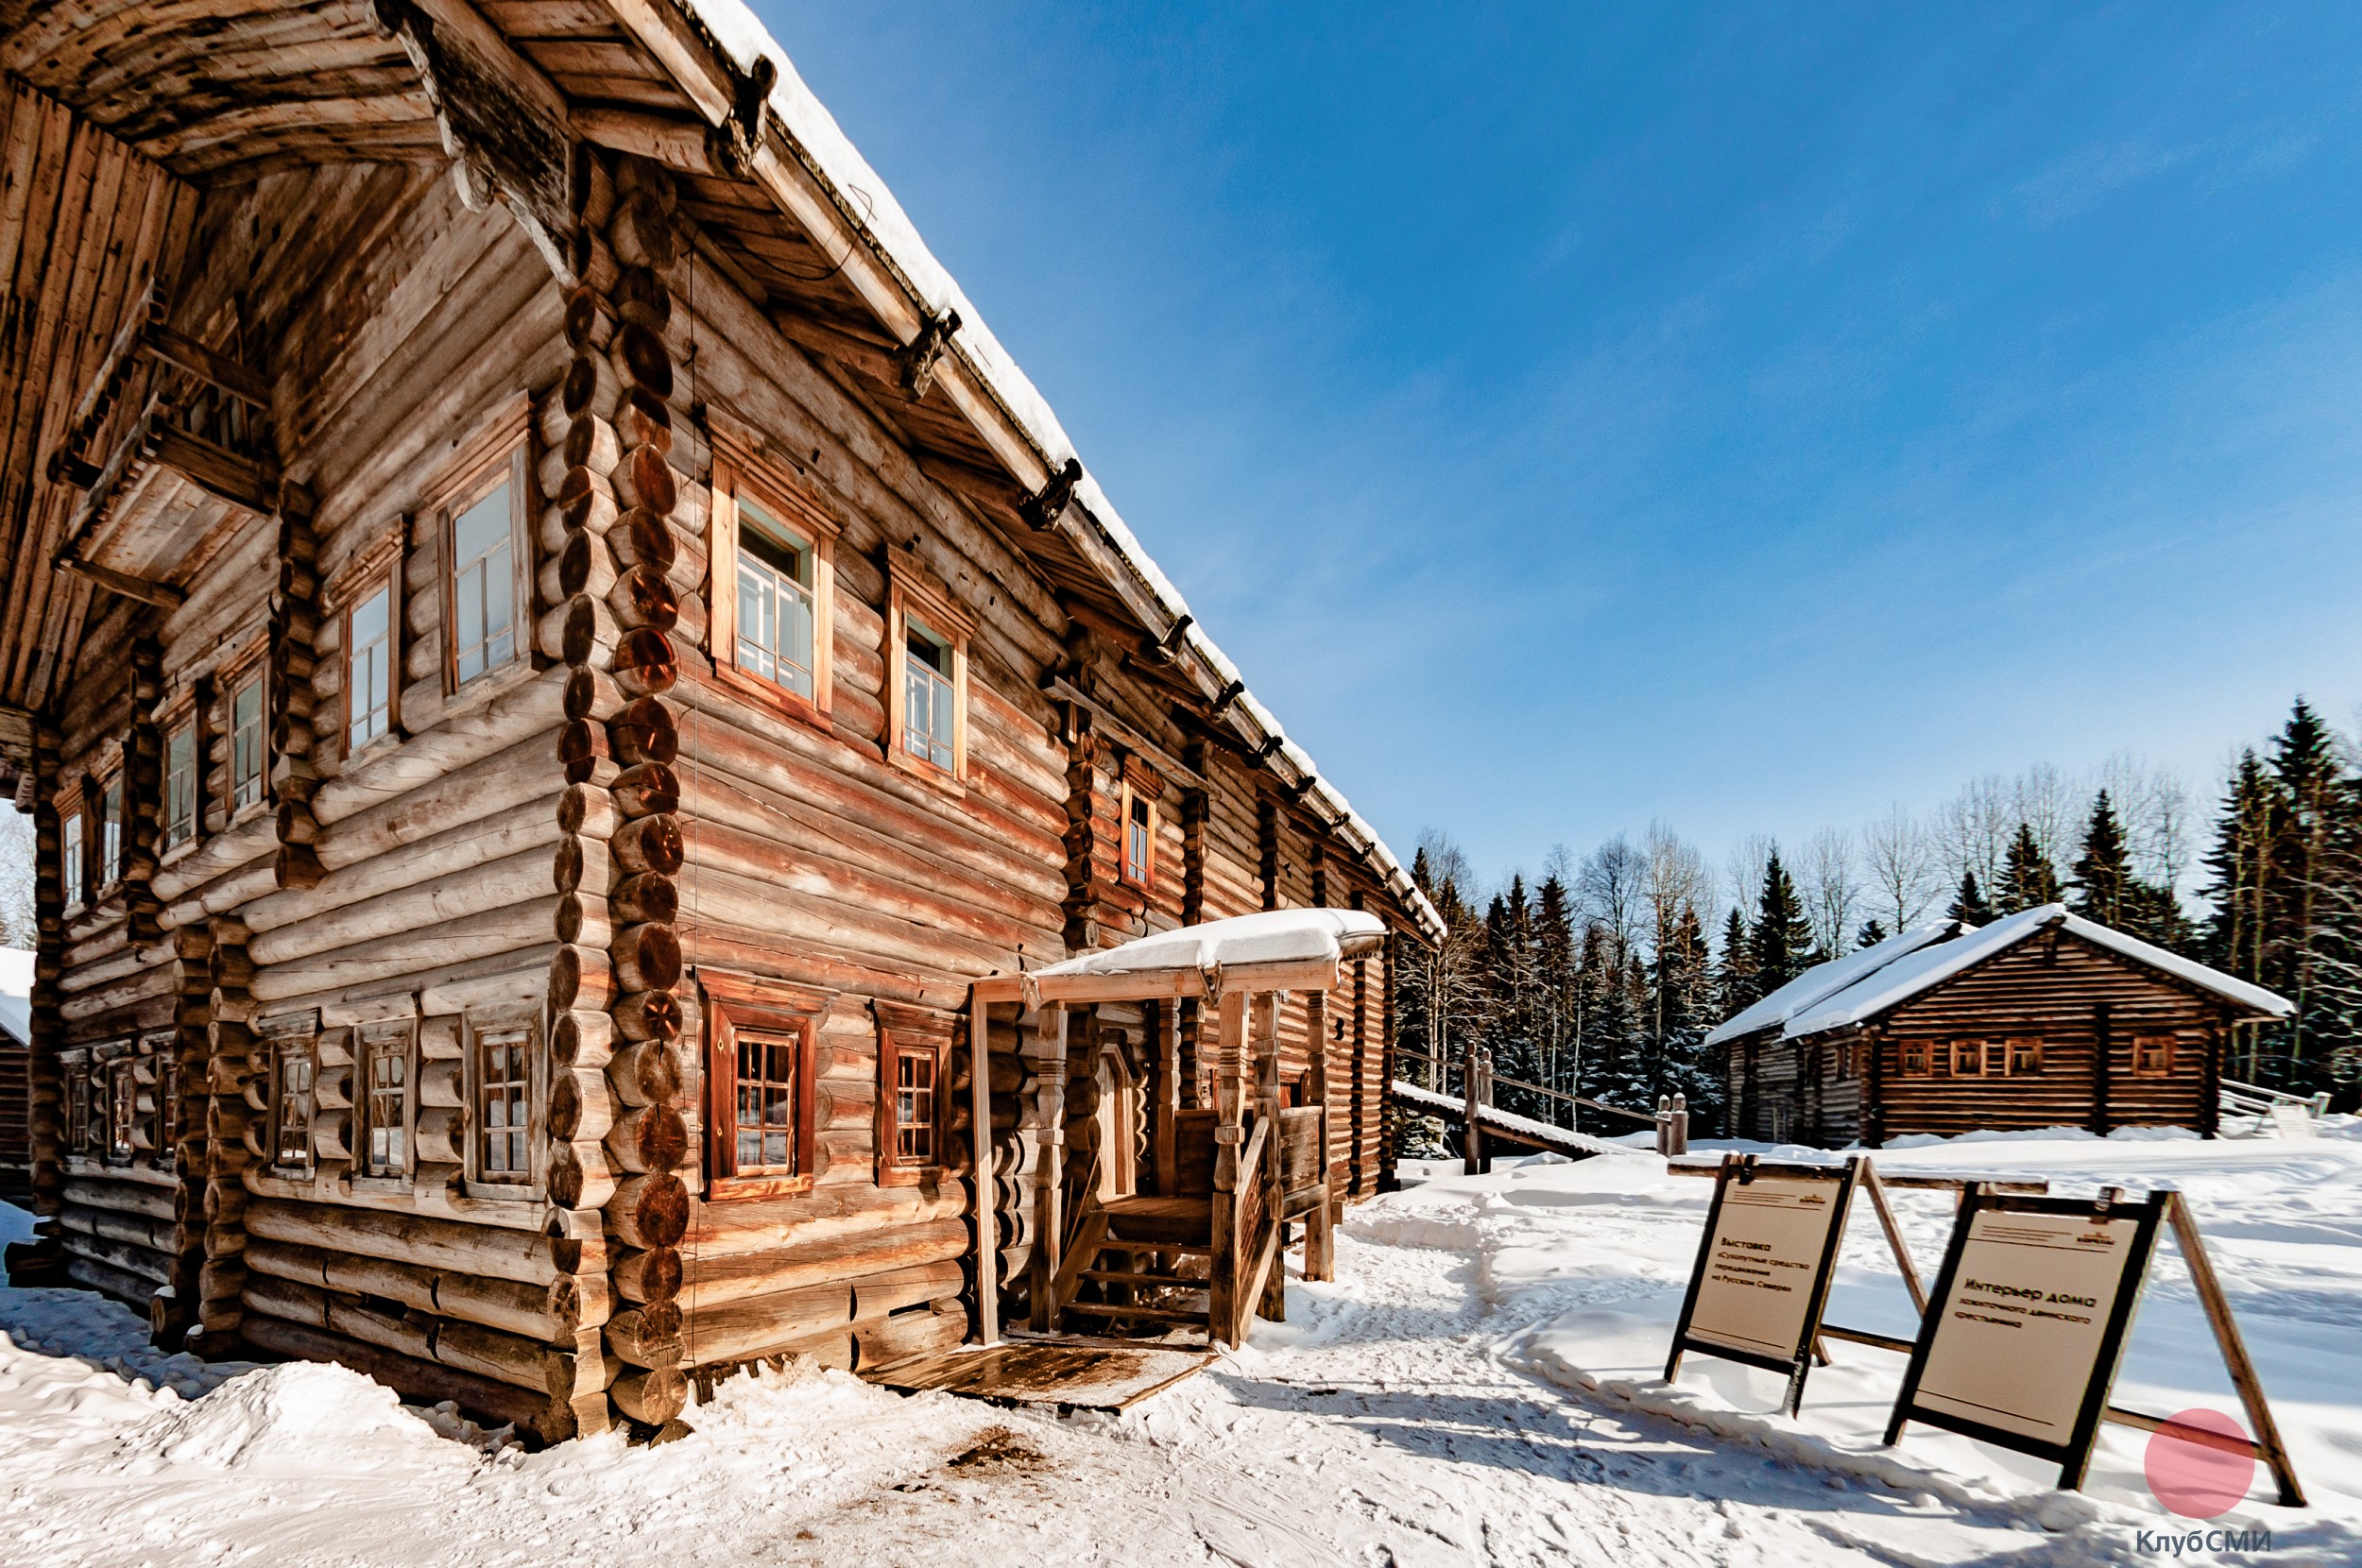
{"x": 1601, "y": 977}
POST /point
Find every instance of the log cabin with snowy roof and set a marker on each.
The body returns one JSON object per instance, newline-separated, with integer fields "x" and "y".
{"x": 554, "y": 661}
{"x": 2040, "y": 1019}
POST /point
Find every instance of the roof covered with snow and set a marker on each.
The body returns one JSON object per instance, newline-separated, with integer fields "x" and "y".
{"x": 1275, "y": 936}
{"x": 1823, "y": 980}
{"x": 880, "y": 218}
{"x": 1870, "y": 992}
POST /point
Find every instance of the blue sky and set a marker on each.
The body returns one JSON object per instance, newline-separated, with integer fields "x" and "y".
{"x": 1749, "y": 417}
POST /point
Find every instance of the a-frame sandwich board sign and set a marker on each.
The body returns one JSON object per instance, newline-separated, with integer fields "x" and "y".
{"x": 2026, "y": 1327}
{"x": 1764, "y": 1265}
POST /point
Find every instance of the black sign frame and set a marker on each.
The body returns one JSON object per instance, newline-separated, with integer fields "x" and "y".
{"x": 2073, "y": 1456}
{"x": 1744, "y": 1168}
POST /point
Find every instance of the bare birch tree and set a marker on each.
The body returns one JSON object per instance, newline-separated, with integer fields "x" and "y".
{"x": 1831, "y": 886}
{"x": 1901, "y": 865}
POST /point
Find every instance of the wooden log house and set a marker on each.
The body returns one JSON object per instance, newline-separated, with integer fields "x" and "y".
{"x": 548, "y": 648}
{"x": 2040, "y": 1019}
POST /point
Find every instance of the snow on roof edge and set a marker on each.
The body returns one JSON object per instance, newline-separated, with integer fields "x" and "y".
{"x": 742, "y": 35}
{"x": 1825, "y": 981}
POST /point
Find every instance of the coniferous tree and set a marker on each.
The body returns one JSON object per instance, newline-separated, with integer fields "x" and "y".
{"x": 1781, "y": 937}
{"x": 1735, "y": 981}
{"x": 1554, "y": 958}
{"x": 1683, "y": 977}
{"x": 1969, "y": 904}
{"x": 1871, "y": 934}
{"x": 2103, "y": 873}
{"x": 2028, "y": 881}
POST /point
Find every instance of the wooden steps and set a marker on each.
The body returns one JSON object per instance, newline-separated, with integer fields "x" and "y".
{"x": 1154, "y": 1314}
{"x": 1120, "y": 1276}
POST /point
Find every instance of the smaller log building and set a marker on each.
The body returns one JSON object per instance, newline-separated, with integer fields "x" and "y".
{"x": 2040, "y": 1019}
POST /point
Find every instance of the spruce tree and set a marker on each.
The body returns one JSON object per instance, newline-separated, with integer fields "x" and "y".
{"x": 1555, "y": 956}
{"x": 1735, "y": 981}
{"x": 1684, "y": 980}
{"x": 1968, "y": 904}
{"x": 1871, "y": 934}
{"x": 1781, "y": 939}
{"x": 2028, "y": 881}
{"x": 2103, "y": 873}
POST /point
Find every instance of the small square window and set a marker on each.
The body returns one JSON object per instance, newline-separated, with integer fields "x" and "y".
{"x": 775, "y": 610}
{"x": 1914, "y": 1059}
{"x": 2153, "y": 1056}
{"x": 246, "y": 743}
{"x": 1967, "y": 1058}
{"x": 180, "y": 785}
{"x": 2025, "y": 1058}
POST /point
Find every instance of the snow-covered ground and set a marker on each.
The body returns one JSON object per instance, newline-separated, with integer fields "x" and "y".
{"x": 1480, "y": 1386}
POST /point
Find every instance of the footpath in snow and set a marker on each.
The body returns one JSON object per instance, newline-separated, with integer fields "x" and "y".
{"x": 1480, "y": 1385}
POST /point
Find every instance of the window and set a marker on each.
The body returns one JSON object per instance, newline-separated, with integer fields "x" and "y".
{"x": 110, "y": 832}
{"x": 78, "y": 1111}
{"x": 760, "y": 1044}
{"x": 775, "y": 616}
{"x": 928, "y": 715}
{"x": 291, "y": 1106}
{"x": 914, "y": 1046}
{"x": 180, "y": 785}
{"x": 772, "y": 556}
{"x": 928, "y": 683}
{"x": 123, "y": 1092}
{"x": 504, "y": 1077}
{"x": 246, "y": 743}
{"x": 384, "y": 1103}
{"x": 1914, "y": 1059}
{"x": 482, "y": 592}
{"x": 1967, "y": 1056}
{"x": 71, "y": 834}
{"x": 2153, "y": 1056}
{"x": 2025, "y": 1057}
{"x": 165, "y": 1126}
{"x": 1139, "y": 836}
{"x": 369, "y": 668}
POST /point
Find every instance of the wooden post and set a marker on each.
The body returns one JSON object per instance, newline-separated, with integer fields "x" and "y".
{"x": 1472, "y": 1096}
{"x": 2101, "y": 1068}
{"x": 1229, "y": 1042}
{"x": 1266, "y": 1029}
{"x": 1894, "y": 1234}
{"x": 1874, "y": 1111}
{"x": 2234, "y": 1357}
{"x": 2210, "y": 1082}
{"x": 1048, "y": 1049}
{"x": 1167, "y": 1023}
{"x": 987, "y": 1208}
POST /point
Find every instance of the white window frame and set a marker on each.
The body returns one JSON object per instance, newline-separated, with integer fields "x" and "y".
{"x": 109, "y": 870}
{"x": 379, "y": 721}
{"x": 515, "y": 579}
{"x": 73, "y": 855}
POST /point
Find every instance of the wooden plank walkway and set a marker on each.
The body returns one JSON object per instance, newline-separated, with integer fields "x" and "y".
{"x": 1067, "y": 1370}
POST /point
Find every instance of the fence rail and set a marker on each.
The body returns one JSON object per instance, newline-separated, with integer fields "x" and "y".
{"x": 1670, "y": 1118}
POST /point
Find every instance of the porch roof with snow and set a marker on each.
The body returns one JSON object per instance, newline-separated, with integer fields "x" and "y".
{"x": 1275, "y": 950}
{"x": 1879, "y": 980}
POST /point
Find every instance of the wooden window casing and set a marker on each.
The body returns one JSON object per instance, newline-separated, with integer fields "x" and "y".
{"x": 927, "y": 638}
{"x": 1968, "y": 1058}
{"x": 914, "y": 1093}
{"x": 789, "y": 570}
{"x": 123, "y": 1092}
{"x": 1138, "y": 855}
{"x": 2025, "y": 1058}
{"x": 78, "y": 1110}
{"x": 506, "y": 1094}
{"x": 762, "y": 1057}
{"x": 109, "y": 867}
{"x": 165, "y": 1120}
{"x": 2153, "y": 1056}
{"x": 294, "y": 1067}
{"x": 1914, "y": 1058}
{"x": 385, "y": 1073}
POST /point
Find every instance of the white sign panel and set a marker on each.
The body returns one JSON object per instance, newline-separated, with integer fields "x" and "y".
{"x": 2024, "y": 1326}
{"x": 1756, "y": 1279}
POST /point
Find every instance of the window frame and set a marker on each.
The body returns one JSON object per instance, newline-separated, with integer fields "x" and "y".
{"x": 1968, "y": 1058}
{"x": 73, "y": 859}
{"x": 913, "y": 591}
{"x": 739, "y": 469}
{"x": 287, "y": 1051}
{"x": 734, "y": 1003}
{"x": 81, "y": 1106}
{"x": 2165, "y": 1046}
{"x": 164, "y": 1050}
{"x": 2025, "y": 1056}
{"x": 925, "y": 1034}
{"x": 368, "y": 1043}
{"x": 251, "y": 673}
{"x": 473, "y": 485}
{"x": 380, "y": 579}
{"x": 179, "y": 723}
{"x": 478, "y": 1031}
{"x": 1144, "y": 876}
{"x": 1913, "y": 1059}
{"x": 107, "y": 856}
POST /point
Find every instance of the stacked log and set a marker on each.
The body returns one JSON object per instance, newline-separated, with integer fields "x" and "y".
{"x": 234, "y": 1068}
{"x": 607, "y": 610}
{"x": 294, "y": 626}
